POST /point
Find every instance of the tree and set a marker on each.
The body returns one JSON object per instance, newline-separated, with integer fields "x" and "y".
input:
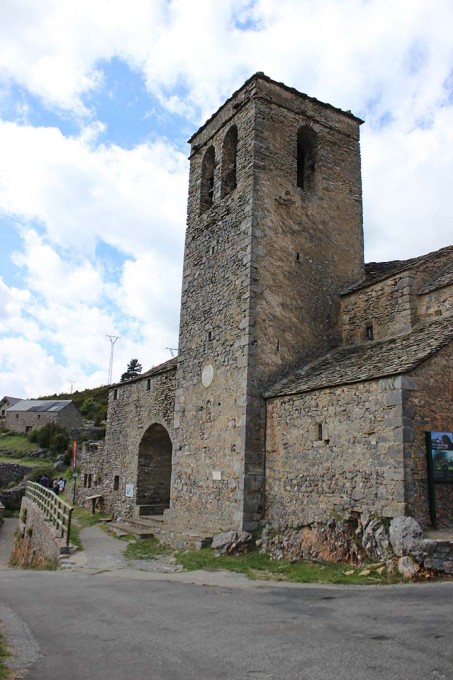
{"x": 134, "y": 368}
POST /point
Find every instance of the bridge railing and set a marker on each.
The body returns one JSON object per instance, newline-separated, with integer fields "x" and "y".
{"x": 54, "y": 508}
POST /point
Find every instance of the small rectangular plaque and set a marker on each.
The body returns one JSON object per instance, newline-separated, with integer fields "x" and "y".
{"x": 216, "y": 475}
{"x": 129, "y": 490}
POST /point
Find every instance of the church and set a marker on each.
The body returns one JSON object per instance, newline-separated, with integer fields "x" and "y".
{"x": 306, "y": 379}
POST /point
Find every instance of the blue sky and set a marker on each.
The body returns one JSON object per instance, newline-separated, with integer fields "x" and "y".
{"x": 97, "y": 100}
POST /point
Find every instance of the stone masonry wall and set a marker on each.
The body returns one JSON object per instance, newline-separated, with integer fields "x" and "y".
{"x": 429, "y": 408}
{"x": 244, "y": 295}
{"x": 435, "y": 303}
{"x": 133, "y": 408}
{"x": 390, "y": 306}
{"x": 39, "y": 542}
{"x": 357, "y": 464}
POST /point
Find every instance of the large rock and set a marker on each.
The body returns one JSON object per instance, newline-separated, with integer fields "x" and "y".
{"x": 407, "y": 567}
{"x": 231, "y": 542}
{"x": 375, "y": 541}
{"x": 406, "y": 536}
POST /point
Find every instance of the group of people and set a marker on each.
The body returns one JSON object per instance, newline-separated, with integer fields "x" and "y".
{"x": 57, "y": 485}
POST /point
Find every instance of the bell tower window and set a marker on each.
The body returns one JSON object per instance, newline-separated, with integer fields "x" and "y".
{"x": 229, "y": 152}
{"x": 306, "y": 149}
{"x": 207, "y": 180}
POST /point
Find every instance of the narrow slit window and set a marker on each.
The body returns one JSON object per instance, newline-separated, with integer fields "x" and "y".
{"x": 148, "y": 384}
{"x": 229, "y": 161}
{"x": 369, "y": 333}
{"x": 207, "y": 180}
{"x": 115, "y": 394}
{"x": 320, "y": 432}
{"x": 116, "y": 483}
{"x": 306, "y": 151}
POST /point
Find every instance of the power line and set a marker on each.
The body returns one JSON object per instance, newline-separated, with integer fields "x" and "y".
{"x": 113, "y": 339}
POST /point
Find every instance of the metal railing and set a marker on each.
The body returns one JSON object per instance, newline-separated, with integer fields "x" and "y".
{"x": 52, "y": 506}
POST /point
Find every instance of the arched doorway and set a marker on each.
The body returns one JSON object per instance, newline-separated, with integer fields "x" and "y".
{"x": 154, "y": 471}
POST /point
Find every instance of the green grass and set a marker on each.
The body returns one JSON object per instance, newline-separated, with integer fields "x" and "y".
{"x": 16, "y": 442}
{"x": 22, "y": 460}
{"x": 258, "y": 566}
{"x": 146, "y": 549}
{"x": 4, "y": 654}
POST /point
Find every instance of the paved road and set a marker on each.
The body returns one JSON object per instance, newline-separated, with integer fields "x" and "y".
{"x": 126, "y": 624}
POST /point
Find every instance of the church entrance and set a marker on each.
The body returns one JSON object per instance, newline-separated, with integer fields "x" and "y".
{"x": 154, "y": 471}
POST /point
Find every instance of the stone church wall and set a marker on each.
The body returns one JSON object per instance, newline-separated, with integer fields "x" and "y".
{"x": 389, "y": 306}
{"x": 335, "y": 451}
{"x": 133, "y": 407}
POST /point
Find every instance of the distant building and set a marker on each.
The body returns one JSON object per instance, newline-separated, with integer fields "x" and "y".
{"x": 5, "y": 404}
{"x": 28, "y": 414}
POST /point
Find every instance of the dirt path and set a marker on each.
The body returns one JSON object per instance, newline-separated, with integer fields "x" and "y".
{"x": 102, "y": 552}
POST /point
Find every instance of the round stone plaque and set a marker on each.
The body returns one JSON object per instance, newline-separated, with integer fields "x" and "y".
{"x": 207, "y": 374}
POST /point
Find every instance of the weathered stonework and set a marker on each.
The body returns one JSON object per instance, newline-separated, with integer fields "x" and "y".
{"x": 305, "y": 379}
{"x": 138, "y": 412}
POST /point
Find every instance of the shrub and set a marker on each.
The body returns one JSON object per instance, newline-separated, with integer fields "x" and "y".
{"x": 50, "y": 436}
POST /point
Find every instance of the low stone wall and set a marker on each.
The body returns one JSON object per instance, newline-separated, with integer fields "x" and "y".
{"x": 37, "y": 543}
{"x": 12, "y": 472}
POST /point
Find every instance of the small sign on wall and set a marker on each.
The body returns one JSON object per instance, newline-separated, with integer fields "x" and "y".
{"x": 216, "y": 475}
{"x": 439, "y": 459}
{"x": 129, "y": 490}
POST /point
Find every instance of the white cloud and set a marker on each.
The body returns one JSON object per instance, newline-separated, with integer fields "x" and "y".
{"x": 82, "y": 193}
{"x": 389, "y": 62}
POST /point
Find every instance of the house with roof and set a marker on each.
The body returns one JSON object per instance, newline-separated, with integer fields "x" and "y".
{"x": 28, "y": 414}
{"x": 5, "y": 403}
{"x": 306, "y": 379}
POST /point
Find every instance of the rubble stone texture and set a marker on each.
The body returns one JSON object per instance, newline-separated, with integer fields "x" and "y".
{"x": 306, "y": 379}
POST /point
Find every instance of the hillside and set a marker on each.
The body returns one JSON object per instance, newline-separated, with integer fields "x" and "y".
{"x": 92, "y": 403}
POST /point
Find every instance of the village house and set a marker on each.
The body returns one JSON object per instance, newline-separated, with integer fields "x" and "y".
{"x": 28, "y": 414}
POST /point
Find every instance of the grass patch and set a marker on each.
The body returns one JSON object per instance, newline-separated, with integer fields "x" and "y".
{"x": 146, "y": 549}
{"x": 258, "y": 566}
{"x": 22, "y": 460}
{"x": 16, "y": 442}
{"x": 4, "y": 654}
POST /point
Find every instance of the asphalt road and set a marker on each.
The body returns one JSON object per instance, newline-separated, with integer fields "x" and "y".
{"x": 129, "y": 625}
{"x": 125, "y": 624}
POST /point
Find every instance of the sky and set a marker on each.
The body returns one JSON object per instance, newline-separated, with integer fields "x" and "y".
{"x": 97, "y": 100}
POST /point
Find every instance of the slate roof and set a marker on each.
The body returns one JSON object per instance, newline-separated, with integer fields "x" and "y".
{"x": 442, "y": 278}
{"x": 369, "y": 361}
{"x": 40, "y": 405}
{"x": 378, "y": 271}
{"x": 11, "y": 400}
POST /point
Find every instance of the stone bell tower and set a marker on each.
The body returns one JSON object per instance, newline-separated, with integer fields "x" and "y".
{"x": 274, "y": 231}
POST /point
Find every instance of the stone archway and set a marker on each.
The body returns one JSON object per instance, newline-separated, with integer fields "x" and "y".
{"x": 154, "y": 471}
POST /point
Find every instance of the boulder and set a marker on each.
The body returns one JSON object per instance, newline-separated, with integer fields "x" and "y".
{"x": 406, "y": 536}
{"x": 407, "y": 567}
{"x": 375, "y": 541}
{"x": 229, "y": 542}
{"x": 12, "y": 498}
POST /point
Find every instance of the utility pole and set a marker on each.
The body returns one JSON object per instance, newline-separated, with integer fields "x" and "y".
{"x": 72, "y": 383}
{"x": 172, "y": 351}
{"x": 113, "y": 339}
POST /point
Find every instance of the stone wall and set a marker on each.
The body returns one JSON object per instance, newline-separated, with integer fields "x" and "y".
{"x": 389, "y": 306}
{"x": 38, "y": 543}
{"x": 333, "y": 452}
{"x": 429, "y": 408}
{"x": 435, "y": 302}
{"x": 12, "y": 472}
{"x": 134, "y": 407}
